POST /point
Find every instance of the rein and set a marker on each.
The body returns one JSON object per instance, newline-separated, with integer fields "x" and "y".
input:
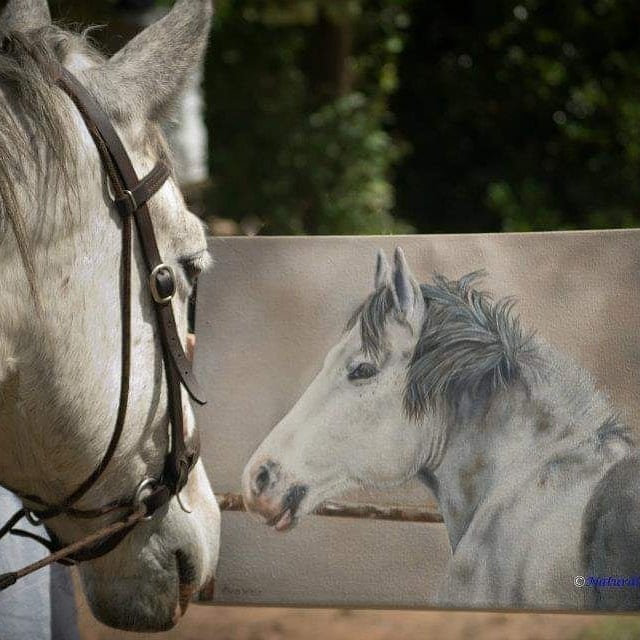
{"x": 131, "y": 197}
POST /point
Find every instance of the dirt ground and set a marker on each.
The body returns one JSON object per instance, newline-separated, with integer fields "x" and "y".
{"x": 228, "y": 623}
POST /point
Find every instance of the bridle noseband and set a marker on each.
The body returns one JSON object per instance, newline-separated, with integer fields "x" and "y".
{"x": 131, "y": 198}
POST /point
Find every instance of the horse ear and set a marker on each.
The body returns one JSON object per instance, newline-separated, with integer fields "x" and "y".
{"x": 405, "y": 287}
{"x": 383, "y": 271}
{"x": 151, "y": 71}
{"x": 24, "y": 15}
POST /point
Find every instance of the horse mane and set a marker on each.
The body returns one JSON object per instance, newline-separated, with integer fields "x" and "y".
{"x": 468, "y": 342}
{"x": 36, "y": 138}
{"x": 34, "y": 126}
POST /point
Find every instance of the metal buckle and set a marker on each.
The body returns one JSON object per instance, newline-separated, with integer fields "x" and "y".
{"x": 147, "y": 485}
{"x": 32, "y": 518}
{"x": 132, "y": 200}
{"x": 153, "y": 284}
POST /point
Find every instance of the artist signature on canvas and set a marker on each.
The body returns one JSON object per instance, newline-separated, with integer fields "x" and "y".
{"x": 613, "y": 582}
{"x": 240, "y": 591}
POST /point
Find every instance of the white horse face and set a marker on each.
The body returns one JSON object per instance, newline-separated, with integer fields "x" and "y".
{"x": 349, "y": 427}
{"x": 60, "y": 322}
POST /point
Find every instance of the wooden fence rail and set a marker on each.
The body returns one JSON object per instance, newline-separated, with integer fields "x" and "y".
{"x": 234, "y": 502}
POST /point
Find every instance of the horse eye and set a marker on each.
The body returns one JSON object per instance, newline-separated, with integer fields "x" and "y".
{"x": 192, "y": 268}
{"x": 363, "y": 371}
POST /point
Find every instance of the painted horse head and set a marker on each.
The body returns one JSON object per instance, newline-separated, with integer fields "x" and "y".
{"x": 527, "y": 458}
{"x": 60, "y": 301}
{"x": 380, "y": 411}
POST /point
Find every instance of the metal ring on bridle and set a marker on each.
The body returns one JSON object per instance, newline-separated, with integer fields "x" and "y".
{"x": 32, "y": 518}
{"x": 153, "y": 284}
{"x": 186, "y": 508}
{"x": 148, "y": 484}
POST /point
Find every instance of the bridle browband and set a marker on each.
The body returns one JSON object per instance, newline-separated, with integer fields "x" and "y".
{"x": 131, "y": 198}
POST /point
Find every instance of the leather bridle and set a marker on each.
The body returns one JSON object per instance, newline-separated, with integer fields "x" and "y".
{"x": 131, "y": 201}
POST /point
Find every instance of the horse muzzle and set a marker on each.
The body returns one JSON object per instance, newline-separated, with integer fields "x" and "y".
{"x": 263, "y": 495}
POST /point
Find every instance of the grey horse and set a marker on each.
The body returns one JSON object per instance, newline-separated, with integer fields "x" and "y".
{"x": 60, "y": 301}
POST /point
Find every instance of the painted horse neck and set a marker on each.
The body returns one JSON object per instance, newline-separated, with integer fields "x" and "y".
{"x": 552, "y": 428}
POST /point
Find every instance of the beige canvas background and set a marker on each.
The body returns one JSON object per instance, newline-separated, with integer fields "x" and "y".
{"x": 268, "y": 313}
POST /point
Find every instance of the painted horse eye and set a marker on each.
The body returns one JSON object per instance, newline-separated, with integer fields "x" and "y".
{"x": 363, "y": 371}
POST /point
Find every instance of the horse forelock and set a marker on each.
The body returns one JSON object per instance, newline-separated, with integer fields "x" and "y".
{"x": 468, "y": 342}
{"x": 372, "y": 316}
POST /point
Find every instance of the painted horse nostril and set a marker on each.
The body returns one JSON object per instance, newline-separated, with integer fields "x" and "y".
{"x": 261, "y": 480}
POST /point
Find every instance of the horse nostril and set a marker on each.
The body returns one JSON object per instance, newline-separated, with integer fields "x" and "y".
{"x": 262, "y": 479}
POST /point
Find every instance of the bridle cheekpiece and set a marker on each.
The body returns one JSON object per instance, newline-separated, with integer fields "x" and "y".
{"x": 131, "y": 201}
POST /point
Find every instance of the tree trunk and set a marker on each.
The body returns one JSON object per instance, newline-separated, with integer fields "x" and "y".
{"x": 327, "y": 59}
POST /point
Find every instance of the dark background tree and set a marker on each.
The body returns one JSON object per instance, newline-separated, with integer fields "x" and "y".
{"x": 521, "y": 115}
{"x": 298, "y": 112}
{"x": 374, "y": 116}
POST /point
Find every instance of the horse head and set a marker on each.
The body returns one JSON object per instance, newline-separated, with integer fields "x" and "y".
{"x": 350, "y": 426}
{"x": 61, "y": 296}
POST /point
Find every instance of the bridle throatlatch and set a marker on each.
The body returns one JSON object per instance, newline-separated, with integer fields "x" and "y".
{"x": 131, "y": 198}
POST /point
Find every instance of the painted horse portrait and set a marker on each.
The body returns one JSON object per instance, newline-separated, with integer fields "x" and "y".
{"x": 61, "y": 296}
{"x": 535, "y": 476}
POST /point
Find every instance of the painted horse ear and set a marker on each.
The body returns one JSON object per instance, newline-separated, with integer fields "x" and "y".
{"x": 404, "y": 285}
{"x": 383, "y": 271}
{"x": 24, "y": 15}
{"x": 148, "y": 75}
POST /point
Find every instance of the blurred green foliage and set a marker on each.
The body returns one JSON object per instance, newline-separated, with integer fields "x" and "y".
{"x": 373, "y": 116}
{"x": 299, "y": 110}
{"x": 521, "y": 115}
{"x": 516, "y": 116}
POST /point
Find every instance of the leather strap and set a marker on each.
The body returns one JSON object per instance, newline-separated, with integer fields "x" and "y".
{"x": 128, "y": 204}
{"x": 131, "y": 198}
{"x": 100, "y": 127}
{"x": 125, "y": 180}
{"x": 126, "y": 183}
